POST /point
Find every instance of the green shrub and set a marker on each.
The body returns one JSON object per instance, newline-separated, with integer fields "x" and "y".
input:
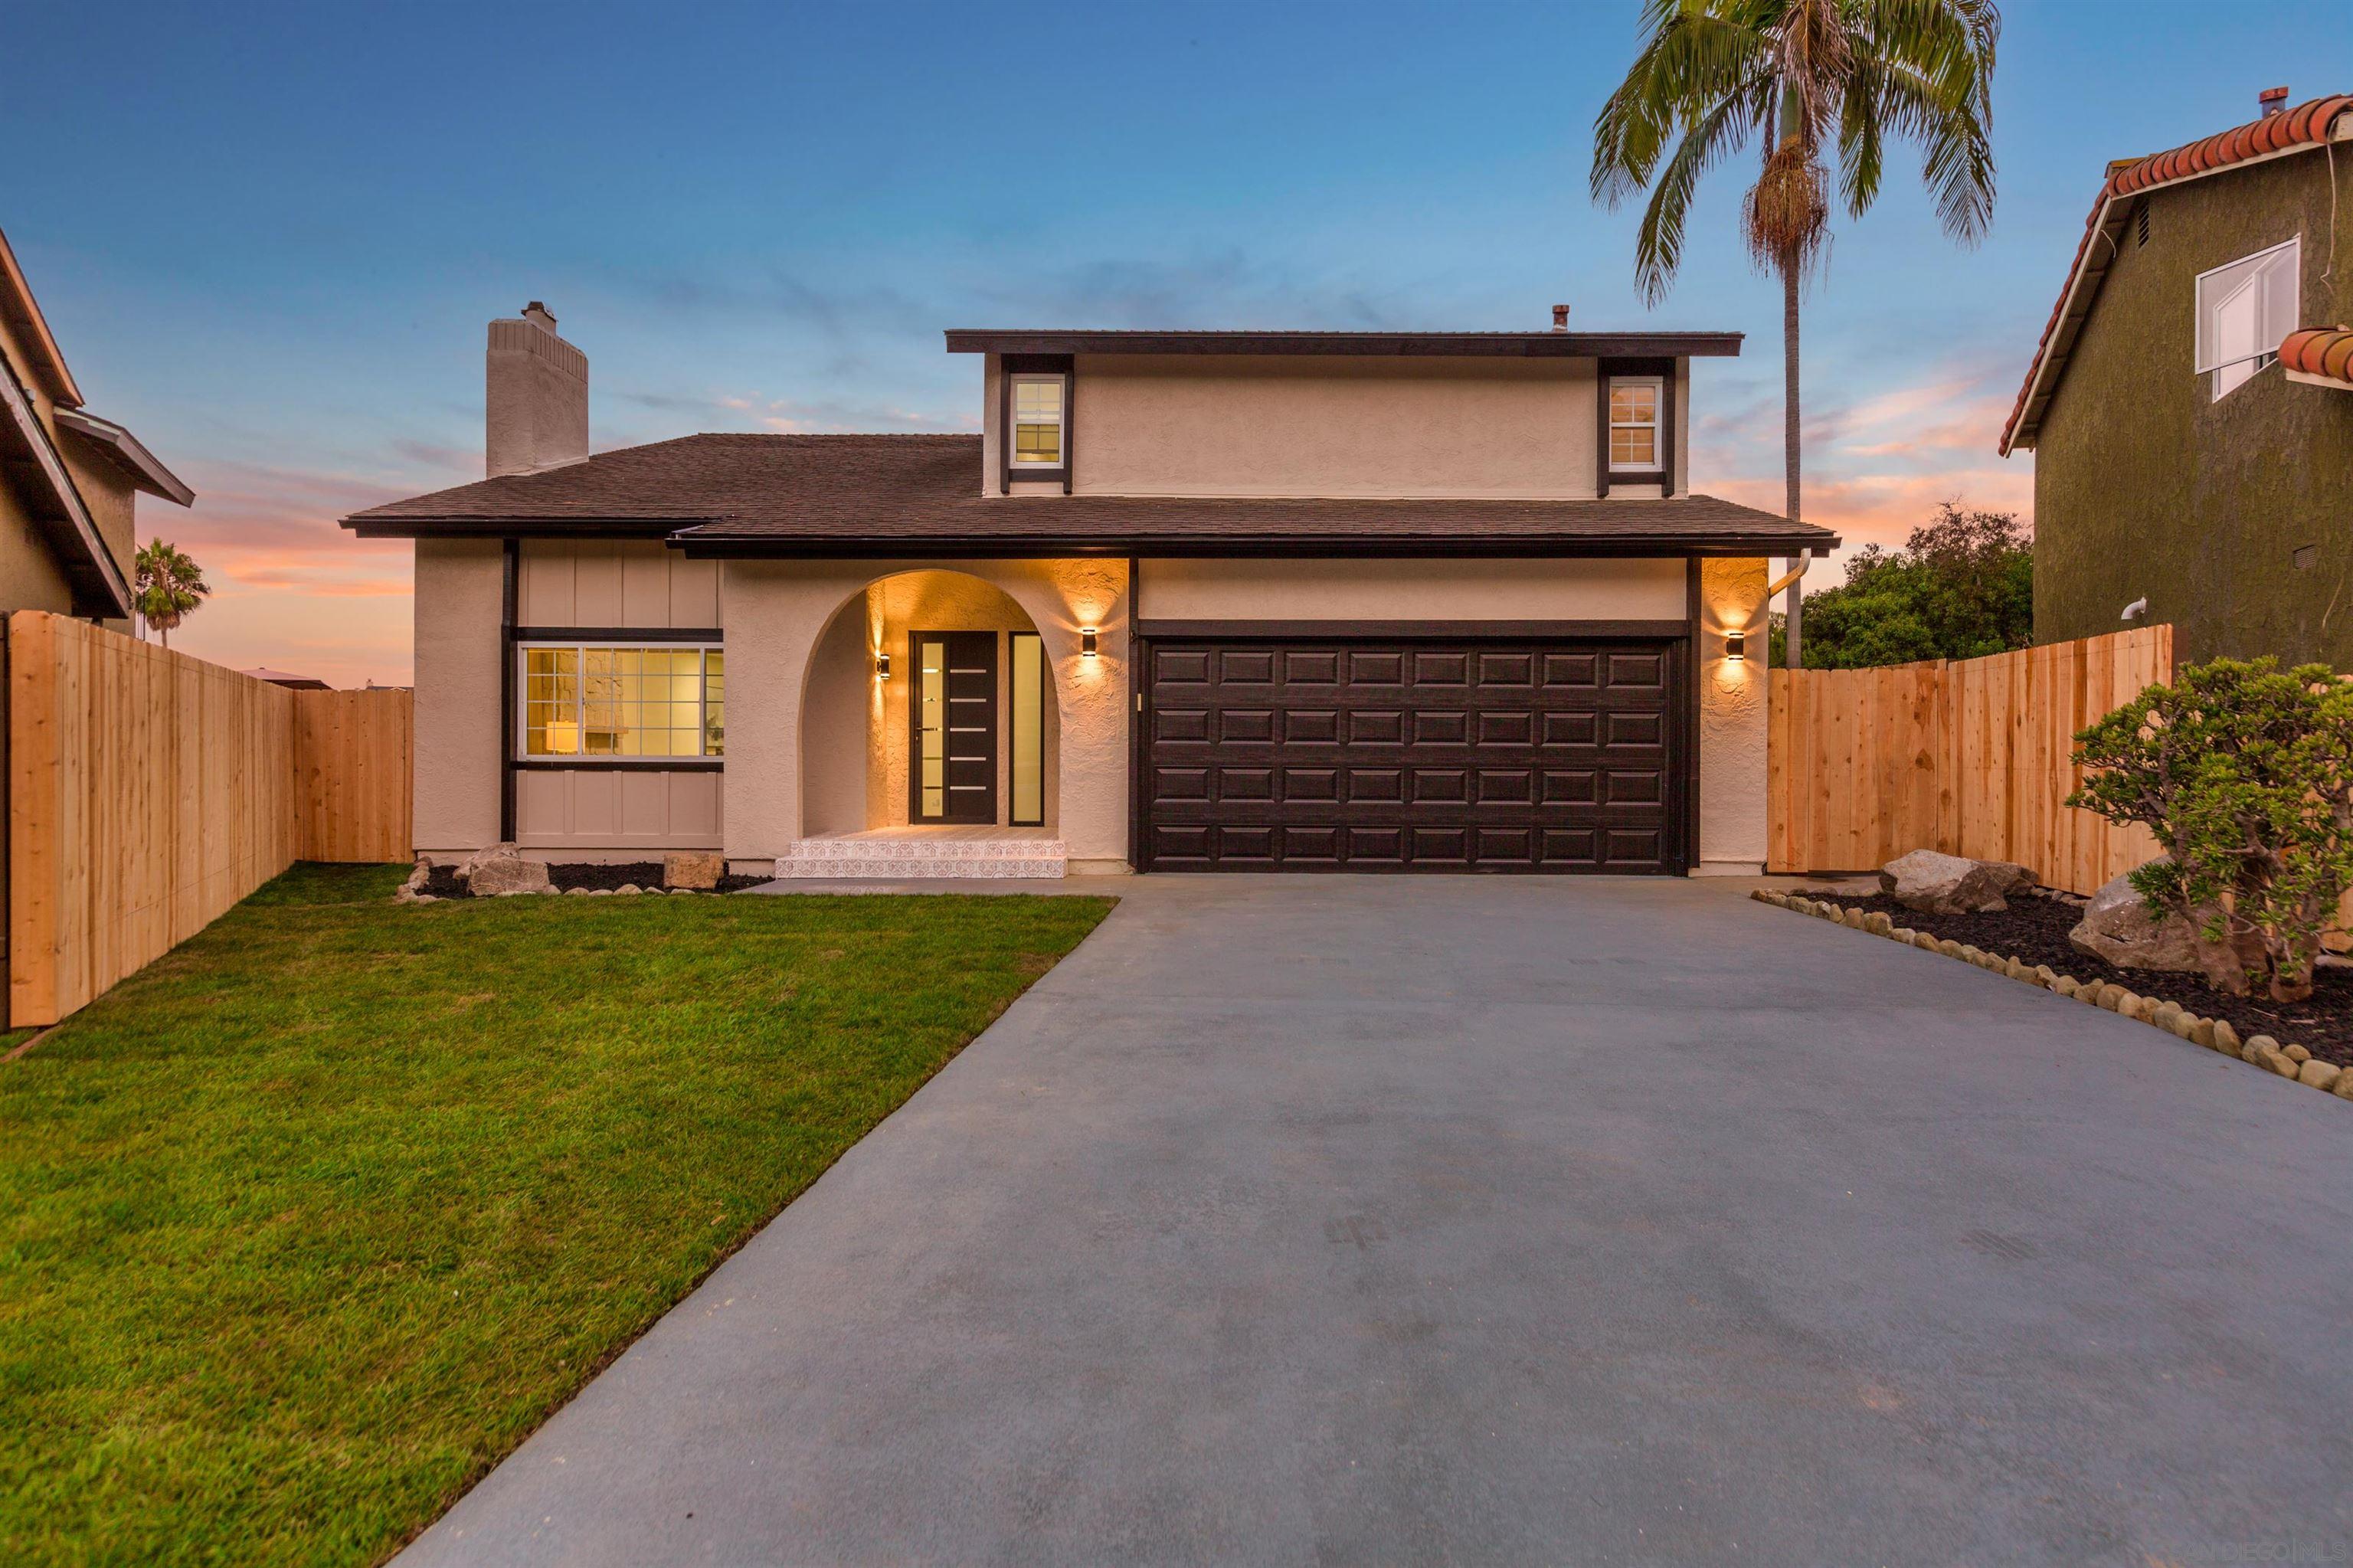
{"x": 2245, "y": 771}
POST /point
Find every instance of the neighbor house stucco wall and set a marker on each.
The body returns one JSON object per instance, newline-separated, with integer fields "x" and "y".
{"x": 778, "y": 612}
{"x": 459, "y": 585}
{"x": 2147, "y": 487}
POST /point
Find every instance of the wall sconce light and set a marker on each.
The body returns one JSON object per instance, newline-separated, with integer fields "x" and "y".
{"x": 1735, "y": 645}
{"x": 1086, "y": 641}
{"x": 881, "y": 666}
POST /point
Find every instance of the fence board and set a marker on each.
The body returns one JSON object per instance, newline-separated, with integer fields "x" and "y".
{"x": 150, "y": 790}
{"x": 1972, "y": 757}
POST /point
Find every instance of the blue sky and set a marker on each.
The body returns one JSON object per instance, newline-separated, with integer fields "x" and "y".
{"x": 268, "y": 238}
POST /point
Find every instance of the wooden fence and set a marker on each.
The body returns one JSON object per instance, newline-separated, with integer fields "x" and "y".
{"x": 150, "y": 790}
{"x": 1970, "y": 757}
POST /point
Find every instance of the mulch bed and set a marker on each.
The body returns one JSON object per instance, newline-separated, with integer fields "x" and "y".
{"x": 444, "y": 883}
{"x": 2034, "y": 929}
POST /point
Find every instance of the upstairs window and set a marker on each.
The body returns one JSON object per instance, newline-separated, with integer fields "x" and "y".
{"x": 1634, "y": 423}
{"x": 598, "y": 701}
{"x": 1038, "y": 404}
{"x": 2244, "y": 312}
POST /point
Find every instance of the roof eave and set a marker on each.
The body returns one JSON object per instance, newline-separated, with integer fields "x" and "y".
{"x": 753, "y": 547}
{"x": 130, "y": 454}
{"x": 1401, "y": 345}
{"x": 24, "y": 312}
{"x": 90, "y": 569}
{"x": 365, "y": 525}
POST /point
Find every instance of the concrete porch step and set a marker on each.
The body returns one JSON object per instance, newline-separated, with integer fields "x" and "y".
{"x": 861, "y": 857}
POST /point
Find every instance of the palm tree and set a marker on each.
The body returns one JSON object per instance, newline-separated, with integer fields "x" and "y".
{"x": 1799, "y": 76}
{"x": 171, "y": 587}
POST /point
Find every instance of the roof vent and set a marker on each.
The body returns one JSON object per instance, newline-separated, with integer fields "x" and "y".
{"x": 1560, "y": 318}
{"x": 2272, "y": 101}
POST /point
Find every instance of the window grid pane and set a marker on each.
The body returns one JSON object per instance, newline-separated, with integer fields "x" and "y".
{"x": 652, "y": 702}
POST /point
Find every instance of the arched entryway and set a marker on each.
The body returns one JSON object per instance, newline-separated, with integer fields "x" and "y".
{"x": 930, "y": 713}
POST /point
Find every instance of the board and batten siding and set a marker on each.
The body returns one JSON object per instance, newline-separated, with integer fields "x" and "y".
{"x": 609, "y": 587}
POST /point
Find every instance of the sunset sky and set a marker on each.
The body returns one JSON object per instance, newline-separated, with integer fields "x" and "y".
{"x": 268, "y": 238}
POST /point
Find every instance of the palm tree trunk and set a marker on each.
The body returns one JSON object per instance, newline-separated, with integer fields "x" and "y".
{"x": 1791, "y": 427}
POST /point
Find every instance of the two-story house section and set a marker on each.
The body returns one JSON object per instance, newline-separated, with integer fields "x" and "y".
{"x": 2190, "y": 405}
{"x": 1190, "y": 601}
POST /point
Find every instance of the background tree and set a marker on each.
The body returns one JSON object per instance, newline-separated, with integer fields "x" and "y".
{"x": 1962, "y": 585}
{"x": 171, "y": 586}
{"x": 1800, "y": 76}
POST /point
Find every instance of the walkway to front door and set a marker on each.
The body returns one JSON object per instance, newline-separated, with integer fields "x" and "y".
{"x": 1503, "y": 1220}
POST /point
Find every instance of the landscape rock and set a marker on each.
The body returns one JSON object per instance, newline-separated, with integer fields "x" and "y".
{"x": 2343, "y": 1087}
{"x": 419, "y": 874}
{"x": 2264, "y": 1052}
{"x": 499, "y": 869}
{"x": 2226, "y": 1038}
{"x": 2117, "y": 927}
{"x": 2167, "y": 1011}
{"x": 1951, "y": 948}
{"x": 2296, "y": 1053}
{"x": 694, "y": 868}
{"x": 2201, "y": 1033}
{"x": 1938, "y": 884}
{"x": 2318, "y": 1074}
{"x": 628, "y": 888}
{"x": 1926, "y": 943}
{"x": 2064, "y": 985}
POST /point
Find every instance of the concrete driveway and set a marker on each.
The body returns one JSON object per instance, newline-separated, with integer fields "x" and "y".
{"x": 1404, "y": 1220}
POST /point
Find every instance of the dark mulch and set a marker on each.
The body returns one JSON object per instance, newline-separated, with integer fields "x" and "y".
{"x": 444, "y": 883}
{"x": 2034, "y": 929}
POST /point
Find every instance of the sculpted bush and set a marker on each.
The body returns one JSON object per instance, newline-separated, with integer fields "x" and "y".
{"x": 2245, "y": 771}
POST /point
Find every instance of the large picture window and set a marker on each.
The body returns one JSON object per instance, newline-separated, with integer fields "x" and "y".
{"x": 1028, "y": 695}
{"x": 588, "y": 700}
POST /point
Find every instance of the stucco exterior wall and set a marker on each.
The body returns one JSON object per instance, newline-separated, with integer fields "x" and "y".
{"x": 459, "y": 584}
{"x": 778, "y": 612}
{"x": 1733, "y": 729}
{"x": 1333, "y": 425}
{"x": 2145, "y": 486}
{"x": 1401, "y": 589}
{"x": 29, "y": 575}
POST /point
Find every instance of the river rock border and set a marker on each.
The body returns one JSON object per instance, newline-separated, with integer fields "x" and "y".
{"x": 2291, "y": 1061}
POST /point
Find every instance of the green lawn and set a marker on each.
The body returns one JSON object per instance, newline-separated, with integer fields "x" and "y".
{"x": 313, "y": 1220}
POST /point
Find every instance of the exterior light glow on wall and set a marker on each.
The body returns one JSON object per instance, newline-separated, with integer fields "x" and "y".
{"x": 881, "y": 666}
{"x": 1086, "y": 641}
{"x": 1735, "y": 645}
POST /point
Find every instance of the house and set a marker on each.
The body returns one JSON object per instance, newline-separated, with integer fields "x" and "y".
{"x": 69, "y": 479}
{"x": 2193, "y": 433}
{"x": 291, "y": 683}
{"x": 1188, "y": 600}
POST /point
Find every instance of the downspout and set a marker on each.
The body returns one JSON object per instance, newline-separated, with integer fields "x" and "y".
{"x": 1790, "y": 650}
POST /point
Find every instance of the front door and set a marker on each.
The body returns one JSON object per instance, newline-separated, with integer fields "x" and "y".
{"x": 951, "y": 774}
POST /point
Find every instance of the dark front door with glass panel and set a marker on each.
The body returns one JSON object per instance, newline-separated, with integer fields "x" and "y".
{"x": 952, "y": 773}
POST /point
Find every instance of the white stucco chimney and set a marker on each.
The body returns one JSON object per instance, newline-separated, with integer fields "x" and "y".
{"x": 535, "y": 395}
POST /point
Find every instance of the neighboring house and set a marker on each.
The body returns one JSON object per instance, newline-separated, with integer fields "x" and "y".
{"x": 68, "y": 479}
{"x": 291, "y": 683}
{"x": 2193, "y": 445}
{"x": 1189, "y": 600}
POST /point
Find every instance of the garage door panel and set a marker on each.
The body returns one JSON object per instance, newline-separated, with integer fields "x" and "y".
{"x": 1491, "y": 755}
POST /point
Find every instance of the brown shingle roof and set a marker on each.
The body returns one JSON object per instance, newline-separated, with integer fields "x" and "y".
{"x": 759, "y": 494}
{"x": 2307, "y": 124}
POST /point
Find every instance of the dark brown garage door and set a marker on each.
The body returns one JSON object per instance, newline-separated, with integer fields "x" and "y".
{"x": 1409, "y": 754}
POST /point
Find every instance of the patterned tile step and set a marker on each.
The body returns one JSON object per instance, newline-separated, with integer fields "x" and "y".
{"x": 917, "y": 850}
{"x": 889, "y": 868}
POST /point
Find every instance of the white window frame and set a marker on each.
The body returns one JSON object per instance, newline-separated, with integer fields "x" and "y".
{"x": 1014, "y": 461}
{"x": 2226, "y": 375}
{"x": 1657, "y": 425}
{"x": 521, "y": 738}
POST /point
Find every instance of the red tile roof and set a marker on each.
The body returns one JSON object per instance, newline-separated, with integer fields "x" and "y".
{"x": 2319, "y": 351}
{"x": 2307, "y": 125}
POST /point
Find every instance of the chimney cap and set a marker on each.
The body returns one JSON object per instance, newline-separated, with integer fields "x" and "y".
{"x": 2271, "y": 100}
{"x": 540, "y": 312}
{"x": 1560, "y": 318}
